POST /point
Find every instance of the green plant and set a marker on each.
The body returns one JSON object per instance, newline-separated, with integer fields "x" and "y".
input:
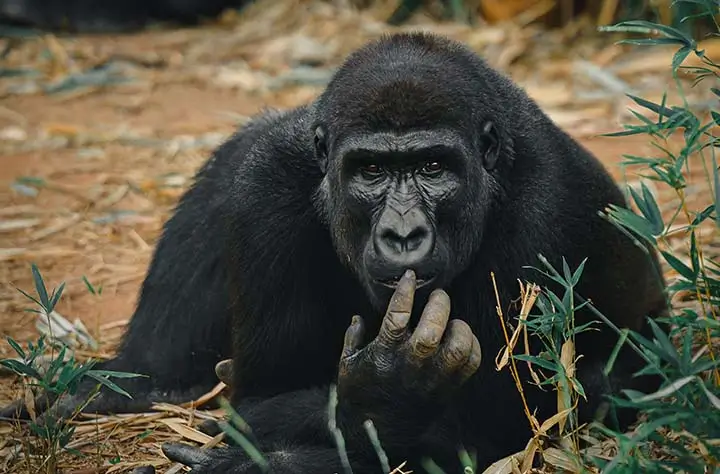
{"x": 681, "y": 429}
{"x": 62, "y": 376}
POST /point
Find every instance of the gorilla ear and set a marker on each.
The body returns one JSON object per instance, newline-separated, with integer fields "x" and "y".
{"x": 321, "y": 148}
{"x": 491, "y": 145}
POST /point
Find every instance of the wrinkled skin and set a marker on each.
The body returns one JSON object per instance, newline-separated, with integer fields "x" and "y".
{"x": 427, "y": 364}
{"x": 394, "y": 196}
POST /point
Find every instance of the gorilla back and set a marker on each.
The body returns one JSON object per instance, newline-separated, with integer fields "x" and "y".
{"x": 96, "y": 16}
{"x": 417, "y": 172}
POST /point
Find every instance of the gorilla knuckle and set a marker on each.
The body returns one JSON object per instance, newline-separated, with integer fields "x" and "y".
{"x": 395, "y": 323}
{"x": 423, "y": 347}
{"x": 459, "y": 345}
{"x": 456, "y": 353}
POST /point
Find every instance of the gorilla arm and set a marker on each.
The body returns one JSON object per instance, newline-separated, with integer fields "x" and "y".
{"x": 401, "y": 381}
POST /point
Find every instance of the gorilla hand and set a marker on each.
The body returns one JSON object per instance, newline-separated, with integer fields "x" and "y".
{"x": 211, "y": 461}
{"x": 398, "y": 373}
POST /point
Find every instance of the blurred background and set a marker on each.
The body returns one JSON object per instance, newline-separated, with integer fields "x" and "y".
{"x": 106, "y": 112}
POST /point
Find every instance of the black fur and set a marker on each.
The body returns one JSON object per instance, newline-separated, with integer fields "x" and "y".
{"x": 98, "y": 16}
{"x": 263, "y": 244}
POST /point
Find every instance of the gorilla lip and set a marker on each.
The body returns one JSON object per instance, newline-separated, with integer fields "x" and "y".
{"x": 393, "y": 282}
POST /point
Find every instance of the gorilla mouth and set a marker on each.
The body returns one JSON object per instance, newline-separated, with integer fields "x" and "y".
{"x": 393, "y": 282}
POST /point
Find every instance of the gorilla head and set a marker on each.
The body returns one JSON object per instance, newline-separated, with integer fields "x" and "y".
{"x": 412, "y": 161}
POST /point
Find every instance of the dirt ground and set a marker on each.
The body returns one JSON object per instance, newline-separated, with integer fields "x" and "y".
{"x": 88, "y": 176}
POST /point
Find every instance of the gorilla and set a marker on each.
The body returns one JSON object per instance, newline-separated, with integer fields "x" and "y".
{"x": 97, "y": 16}
{"x": 350, "y": 243}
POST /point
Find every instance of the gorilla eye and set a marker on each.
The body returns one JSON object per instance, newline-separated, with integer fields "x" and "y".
{"x": 432, "y": 168}
{"x": 371, "y": 170}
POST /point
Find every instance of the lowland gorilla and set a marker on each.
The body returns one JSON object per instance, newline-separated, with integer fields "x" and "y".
{"x": 418, "y": 172}
{"x": 95, "y": 16}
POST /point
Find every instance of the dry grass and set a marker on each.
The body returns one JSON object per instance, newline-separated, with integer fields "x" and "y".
{"x": 111, "y": 129}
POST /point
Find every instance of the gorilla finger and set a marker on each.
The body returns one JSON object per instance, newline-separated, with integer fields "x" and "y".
{"x": 210, "y": 428}
{"x": 353, "y": 337}
{"x": 456, "y": 346}
{"x": 429, "y": 331}
{"x": 223, "y": 370}
{"x": 17, "y": 410}
{"x": 185, "y": 454}
{"x": 144, "y": 470}
{"x": 399, "y": 309}
{"x": 473, "y": 362}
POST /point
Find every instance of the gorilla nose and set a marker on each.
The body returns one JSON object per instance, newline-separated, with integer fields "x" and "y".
{"x": 404, "y": 240}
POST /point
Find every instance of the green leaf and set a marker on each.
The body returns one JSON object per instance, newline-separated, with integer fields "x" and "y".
{"x": 578, "y": 272}
{"x": 544, "y": 363}
{"x": 702, "y": 215}
{"x": 21, "y": 368}
{"x": 664, "y": 342}
{"x": 679, "y": 266}
{"x": 716, "y": 181}
{"x": 653, "y": 41}
{"x": 119, "y": 375}
{"x": 712, "y": 398}
{"x": 654, "y": 214}
{"x": 59, "y": 360}
{"x": 64, "y": 379}
{"x": 40, "y": 287}
{"x": 111, "y": 385}
{"x": 567, "y": 274}
{"x": 90, "y": 288}
{"x": 637, "y": 224}
{"x": 715, "y": 116}
{"x": 652, "y": 106}
{"x": 694, "y": 257}
{"x": 616, "y": 350}
{"x": 667, "y": 390}
{"x": 629, "y": 130}
{"x": 56, "y": 296}
{"x": 680, "y": 56}
{"x": 704, "y": 365}
{"x": 16, "y": 347}
{"x": 649, "y": 209}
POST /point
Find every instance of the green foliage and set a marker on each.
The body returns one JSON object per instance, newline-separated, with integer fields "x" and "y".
{"x": 689, "y": 17}
{"x": 680, "y": 430}
{"x": 61, "y": 377}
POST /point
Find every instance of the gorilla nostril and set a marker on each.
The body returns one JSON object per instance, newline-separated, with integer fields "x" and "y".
{"x": 403, "y": 237}
{"x": 392, "y": 240}
{"x": 415, "y": 238}
{"x": 404, "y": 242}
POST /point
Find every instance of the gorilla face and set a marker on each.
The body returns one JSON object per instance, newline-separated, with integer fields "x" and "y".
{"x": 397, "y": 186}
{"x": 403, "y": 201}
